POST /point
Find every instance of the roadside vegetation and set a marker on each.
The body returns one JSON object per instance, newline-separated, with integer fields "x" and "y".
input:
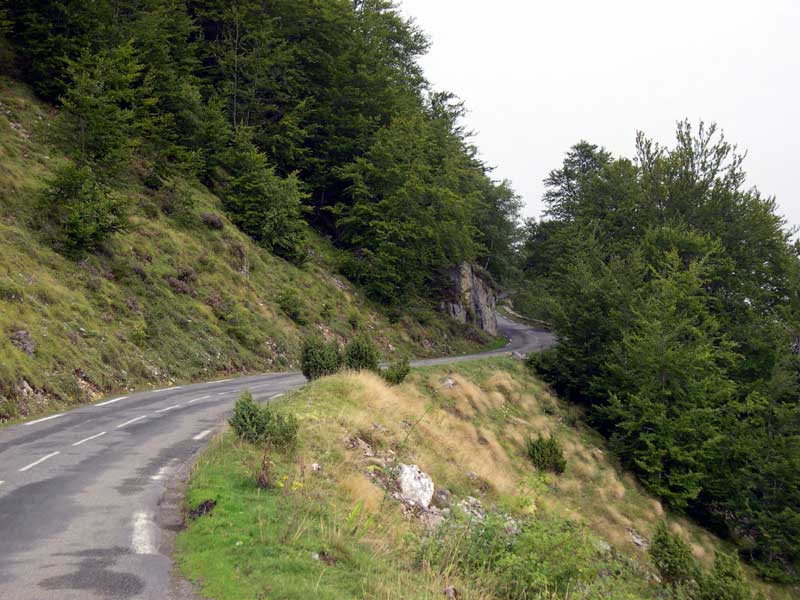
{"x": 329, "y": 521}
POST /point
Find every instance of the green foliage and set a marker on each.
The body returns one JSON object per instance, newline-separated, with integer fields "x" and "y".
{"x": 97, "y": 117}
{"x": 80, "y": 214}
{"x": 361, "y": 353}
{"x": 262, "y": 425}
{"x": 546, "y": 454}
{"x": 672, "y": 289}
{"x": 545, "y": 558}
{"x": 396, "y": 372}
{"x": 292, "y": 306}
{"x": 725, "y": 581}
{"x": 266, "y": 207}
{"x": 672, "y": 556}
{"x": 320, "y": 358}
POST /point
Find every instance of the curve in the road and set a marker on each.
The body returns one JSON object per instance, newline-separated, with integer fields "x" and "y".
{"x": 80, "y": 491}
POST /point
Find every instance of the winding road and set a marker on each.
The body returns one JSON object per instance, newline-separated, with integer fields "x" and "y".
{"x": 90, "y": 499}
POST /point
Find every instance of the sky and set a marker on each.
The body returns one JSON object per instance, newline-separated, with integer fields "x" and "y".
{"x": 538, "y": 77}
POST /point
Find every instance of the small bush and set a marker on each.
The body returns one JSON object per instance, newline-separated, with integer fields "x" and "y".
{"x": 396, "y": 372}
{"x": 291, "y": 305}
{"x": 725, "y": 581}
{"x": 672, "y": 556}
{"x": 361, "y": 354}
{"x": 260, "y": 424}
{"x": 546, "y": 454}
{"x": 212, "y": 221}
{"x": 77, "y": 214}
{"x": 319, "y": 358}
{"x": 354, "y": 320}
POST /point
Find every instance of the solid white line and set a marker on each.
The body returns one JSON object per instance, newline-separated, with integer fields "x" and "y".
{"x": 142, "y": 539}
{"x": 222, "y": 380}
{"x": 107, "y": 402}
{"x": 89, "y": 439}
{"x": 168, "y": 408}
{"x": 132, "y": 421}
{"x": 198, "y": 399}
{"x": 41, "y": 460}
{"x": 201, "y": 435}
{"x": 45, "y": 419}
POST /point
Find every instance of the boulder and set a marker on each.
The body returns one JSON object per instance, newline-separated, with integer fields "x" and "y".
{"x": 471, "y": 298}
{"x": 23, "y": 340}
{"x": 416, "y": 487}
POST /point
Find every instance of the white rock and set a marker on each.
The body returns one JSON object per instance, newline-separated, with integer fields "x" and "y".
{"x": 416, "y": 487}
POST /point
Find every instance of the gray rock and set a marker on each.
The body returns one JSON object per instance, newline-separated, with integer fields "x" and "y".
{"x": 432, "y": 518}
{"x": 416, "y": 487}
{"x": 472, "y": 298}
{"x": 473, "y": 507}
{"x": 23, "y": 340}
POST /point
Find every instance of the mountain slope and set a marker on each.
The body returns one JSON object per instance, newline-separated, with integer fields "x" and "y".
{"x": 181, "y": 295}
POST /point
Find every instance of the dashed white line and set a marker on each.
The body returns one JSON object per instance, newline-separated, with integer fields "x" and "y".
{"x": 223, "y": 380}
{"x": 198, "y": 399}
{"x": 168, "y": 408}
{"x": 143, "y": 538}
{"x": 201, "y": 435}
{"x": 107, "y": 402}
{"x": 89, "y": 439}
{"x": 222, "y": 393}
{"x": 256, "y": 387}
{"x": 38, "y": 462}
{"x": 276, "y": 396}
{"x": 132, "y": 421}
{"x": 45, "y": 419}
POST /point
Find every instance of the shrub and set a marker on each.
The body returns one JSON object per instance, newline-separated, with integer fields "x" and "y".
{"x": 319, "y": 358}
{"x": 726, "y": 581}
{"x": 672, "y": 556}
{"x": 77, "y": 214}
{"x": 396, "y": 372}
{"x": 260, "y": 424}
{"x": 361, "y": 354}
{"x": 212, "y": 221}
{"x": 546, "y": 454}
{"x": 291, "y": 305}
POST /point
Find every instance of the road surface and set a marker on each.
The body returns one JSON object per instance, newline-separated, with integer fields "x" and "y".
{"x": 90, "y": 499}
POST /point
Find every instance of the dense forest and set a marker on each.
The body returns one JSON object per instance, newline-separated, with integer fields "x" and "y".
{"x": 673, "y": 288}
{"x": 675, "y": 292}
{"x": 290, "y": 111}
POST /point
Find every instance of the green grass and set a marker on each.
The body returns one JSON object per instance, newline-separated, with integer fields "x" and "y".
{"x": 170, "y": 300}
{"x": 470, "y": 437}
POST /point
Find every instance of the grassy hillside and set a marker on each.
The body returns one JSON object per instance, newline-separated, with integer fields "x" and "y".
{"x": 181, "y": 296}
{"x": 329, "y": 526}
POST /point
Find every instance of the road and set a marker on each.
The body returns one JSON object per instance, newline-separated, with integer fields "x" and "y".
{"x": 90, "y": 499}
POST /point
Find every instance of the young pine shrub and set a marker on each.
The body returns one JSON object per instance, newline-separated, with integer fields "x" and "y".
{"x": 77, "y": 214}
{"x": 361, "y": 354}
{"x": 546, "y": 454}
{"x": 672, "y": 557}
{"x": 726, "y": 581}
{"x": 396, "y": 372}
{"x": 262, "y": 425}
{"x": 319, "y": 358}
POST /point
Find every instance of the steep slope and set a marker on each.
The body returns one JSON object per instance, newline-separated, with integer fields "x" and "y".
{"x": 329, "y": 523}
{"x": 181, "y": 295}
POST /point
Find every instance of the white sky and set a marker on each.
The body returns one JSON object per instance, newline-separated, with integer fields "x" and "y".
{"x": 539, "y": 76}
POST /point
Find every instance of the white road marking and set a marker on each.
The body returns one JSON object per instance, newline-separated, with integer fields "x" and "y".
{"x": 198, "y": 399}
{"x": 276, "y": 396}
{"x": 256, "y": 387}
{"x": 107, "y": 402}
{"x": 143, "y": 539}
{"x": 2, "y": 482}
{"x": 38, "y": 462}
{"x": 222, "y": 393}
{"x": 45, "y": 419}
{"x": 222, "y": 380}
{"x": 168, "y": 408}
{"x": 201, "y": 435}
{"x": 132, "y": 421}
{"x": 89, "y": 439}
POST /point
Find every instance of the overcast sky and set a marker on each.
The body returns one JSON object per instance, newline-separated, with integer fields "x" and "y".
{"x": 539, "y": 76}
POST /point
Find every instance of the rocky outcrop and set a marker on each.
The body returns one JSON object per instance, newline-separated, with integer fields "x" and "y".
{"x": 416, "y": 487}
{"x": 471, "y": 297}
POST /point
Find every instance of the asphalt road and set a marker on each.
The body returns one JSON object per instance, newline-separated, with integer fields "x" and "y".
{"x": 90, "y": 499}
